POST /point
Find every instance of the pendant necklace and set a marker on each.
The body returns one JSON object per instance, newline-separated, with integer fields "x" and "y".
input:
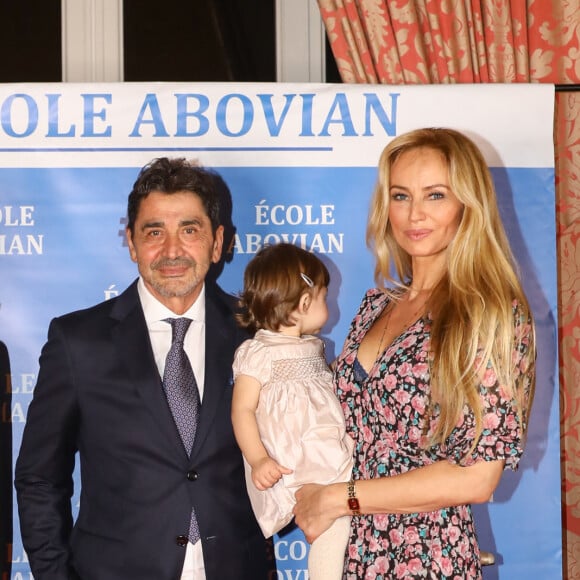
{"x": 388, "y": 314}
{"x": 386, "y": 325}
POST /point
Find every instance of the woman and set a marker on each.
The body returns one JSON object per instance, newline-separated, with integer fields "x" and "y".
{"x": 436, "y": 375}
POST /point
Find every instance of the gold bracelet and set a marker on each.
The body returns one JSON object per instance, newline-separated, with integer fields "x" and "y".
{"x": 352, "y": 502}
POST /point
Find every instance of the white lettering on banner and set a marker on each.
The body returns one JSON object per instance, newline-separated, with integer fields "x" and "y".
{"x": 279, "y": 215}
{"x": 21, "y": 245}
{"x": 25, "y": 387}
{"x": 232, "y": 115}
{"x": 289, "y": 575}
{"x": 292, "y": 215}
{"x": 110, "y": 292}
{"x": 18, "y": 244}
{"x": 22, "y": 576}
{"x": 15, "y": 415}
{"x": 295, "y": 550}
{"x": 323, "y": 244}
{"x": 16, "y": 216}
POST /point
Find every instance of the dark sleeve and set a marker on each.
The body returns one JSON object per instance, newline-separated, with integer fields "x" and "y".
{"x": 45, "y": 464}
{"x": 5, "y": 464}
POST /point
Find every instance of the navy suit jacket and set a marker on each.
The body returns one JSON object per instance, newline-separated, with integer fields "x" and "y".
{"x": 99, "y": 393}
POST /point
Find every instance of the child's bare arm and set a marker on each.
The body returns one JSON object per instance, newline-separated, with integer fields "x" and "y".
{"x": 265, "y": 471}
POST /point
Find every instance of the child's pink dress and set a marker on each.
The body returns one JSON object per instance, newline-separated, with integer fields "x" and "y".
{"x": 300, "y": 420}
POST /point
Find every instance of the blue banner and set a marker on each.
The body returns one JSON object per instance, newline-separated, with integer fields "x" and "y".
{"x": 300, "y": 165}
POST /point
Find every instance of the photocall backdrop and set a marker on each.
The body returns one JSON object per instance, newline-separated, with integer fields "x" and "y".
{"x": 299, "y": 161}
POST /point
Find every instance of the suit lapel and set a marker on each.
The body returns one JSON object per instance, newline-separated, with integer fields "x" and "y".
{"x": 131, "y": 338}
{"x": 219, "y": 338}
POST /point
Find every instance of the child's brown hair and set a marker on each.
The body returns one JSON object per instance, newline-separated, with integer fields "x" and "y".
{"x": 274, "y": 281}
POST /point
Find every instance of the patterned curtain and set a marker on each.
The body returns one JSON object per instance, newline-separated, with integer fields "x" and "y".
{"x": 492, "y": 41}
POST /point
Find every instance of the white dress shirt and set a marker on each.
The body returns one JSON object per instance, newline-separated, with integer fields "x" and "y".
{"x": 194, "y": 346}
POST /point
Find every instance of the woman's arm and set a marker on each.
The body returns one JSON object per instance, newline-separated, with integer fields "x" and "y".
{"x": 425, "y": 489}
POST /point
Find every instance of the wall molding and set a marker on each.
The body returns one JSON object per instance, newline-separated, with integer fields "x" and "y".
{"x": 92, "y": 40}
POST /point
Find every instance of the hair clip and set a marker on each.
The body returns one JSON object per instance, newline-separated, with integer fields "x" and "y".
{"x": 307, "y": 280}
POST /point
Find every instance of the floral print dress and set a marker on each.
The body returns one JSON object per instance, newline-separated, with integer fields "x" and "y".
{"x": 385, "y": 413}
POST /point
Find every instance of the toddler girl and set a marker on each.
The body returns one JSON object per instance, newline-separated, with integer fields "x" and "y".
{"x": 287, "y": 419}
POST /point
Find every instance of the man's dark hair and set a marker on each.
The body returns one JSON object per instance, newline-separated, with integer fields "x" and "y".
{"x": 169, "y": 176}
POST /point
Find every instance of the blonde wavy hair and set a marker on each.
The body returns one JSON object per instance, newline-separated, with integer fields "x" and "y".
{"x": 472, "y": 306}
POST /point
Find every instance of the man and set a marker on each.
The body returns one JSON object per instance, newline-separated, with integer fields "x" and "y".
{"x": 100, "y": 392}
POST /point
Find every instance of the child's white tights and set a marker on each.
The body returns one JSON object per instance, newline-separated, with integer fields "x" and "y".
{"x": 327, "y": 552}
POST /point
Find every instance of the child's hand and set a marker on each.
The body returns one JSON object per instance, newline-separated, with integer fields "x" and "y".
{"x": 266, "y": 472}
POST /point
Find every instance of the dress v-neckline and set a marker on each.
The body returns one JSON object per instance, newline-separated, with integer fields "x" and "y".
{"x": 382, "y": 354}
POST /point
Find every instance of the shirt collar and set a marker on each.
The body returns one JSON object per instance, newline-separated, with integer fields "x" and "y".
{"x": 155, "y": 311}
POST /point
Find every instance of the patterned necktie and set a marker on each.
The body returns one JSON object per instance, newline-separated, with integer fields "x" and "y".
{"x": 182, "y": 395}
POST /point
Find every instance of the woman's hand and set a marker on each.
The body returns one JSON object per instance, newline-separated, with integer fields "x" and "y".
{"x": 313, "y": 511}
